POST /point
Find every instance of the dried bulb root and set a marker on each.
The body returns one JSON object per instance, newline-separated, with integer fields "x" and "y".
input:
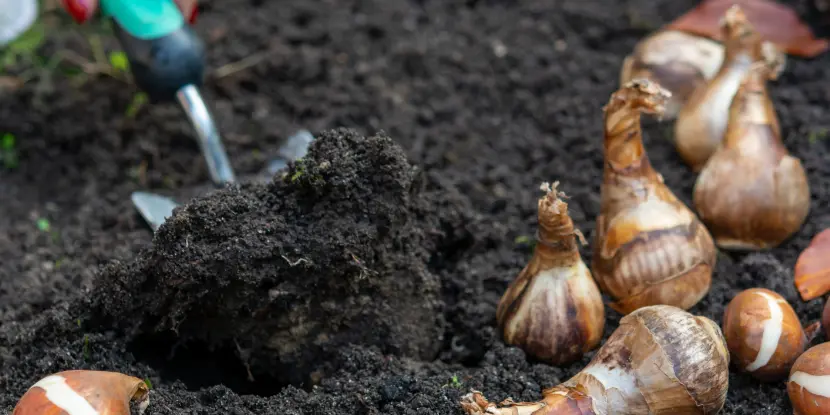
{"x": 701, "y": 124}
{"x": 553, "y": 310}
{"x": 763, "y": 334}
{"x": 650, "y": 248}
{"x": 809, "y": 382}
{"x": 85, "y": 392}
{"x": 660, "y": 360}
{"x": 678, "y": 61}
{"x": 752, "y": 194}
{"x": 812, "y": 270}
{"x": 555, "y": 401}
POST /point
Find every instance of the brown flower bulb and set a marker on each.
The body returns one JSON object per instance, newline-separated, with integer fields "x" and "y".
{"x": 85, "y": 392}
{"x": 660, "y": 360}
{"x": 809, "y": 383}
{"x": 677, "y": 61}
{"x": 763, "y": 334}
{"x": 701, "y": 124}
{"x": 650, "y": 248}
{"x": 752, "y": 194}
{"x": 553, "y": 310}
{"x": 812, "y": 270}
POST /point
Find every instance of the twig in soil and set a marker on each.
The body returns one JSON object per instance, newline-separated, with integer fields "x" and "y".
{"x": 86, "y": 349}
{"x": 295, "y": 263}
{"x": 89, "y": 68}
{"x": 240, "y": 65}
{"x": 244, "y": 355}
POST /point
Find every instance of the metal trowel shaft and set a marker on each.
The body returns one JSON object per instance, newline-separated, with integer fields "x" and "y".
{"x": 167, "y": 60}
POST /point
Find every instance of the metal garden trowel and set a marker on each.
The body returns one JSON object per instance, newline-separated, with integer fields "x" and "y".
{"x": 155, "y": 208}
{"x": 167, "y": 60}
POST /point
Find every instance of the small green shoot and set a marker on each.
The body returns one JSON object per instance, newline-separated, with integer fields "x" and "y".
{"x": 524, "y": 240}
{"x": 818, "y": 134}
{"x": 148, "y": 383}
{"x": 299, "y": 170}
{"x": 87, "y": 348}
{"x": 43, "y": 225}
{"x": 8, "y": 151}
{"x": 119, "y": 62}
{"x": 79, "y": 322}
{"x": 137, "y": 103}
{"x": 454, "y": 383}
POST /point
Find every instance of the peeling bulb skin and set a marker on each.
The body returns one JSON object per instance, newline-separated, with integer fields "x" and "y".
{"x": 763, "y": 334}
{"x": 553, "y": 310}
{"x": 85, "y": 392}
{"x": 825, "y": 319}
{"x": 660, "y": 360}
{"x": 812, "y": 269}
{"x": 677, "y": 61}
{"x": 650, "y": 248}
{"x": 702, "y": 122}
{"x": 809, "y": 382}
{"x": 752, "y": 194}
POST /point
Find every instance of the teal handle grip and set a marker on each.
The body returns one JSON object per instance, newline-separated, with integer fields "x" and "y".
{"x": 144, "y": 19}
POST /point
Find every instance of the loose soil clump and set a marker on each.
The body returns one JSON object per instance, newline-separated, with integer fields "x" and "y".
{"x": 333, "y": 252}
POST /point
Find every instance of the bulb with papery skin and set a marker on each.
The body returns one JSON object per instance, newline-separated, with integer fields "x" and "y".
{"x": 752, "y": 194}
{"x": 649, "y": 248}
{"x": 701, "y": 124}
{"x": 553, "y": 309}
{"x": 660, "y": 360}
{"x": 677, "y": 61}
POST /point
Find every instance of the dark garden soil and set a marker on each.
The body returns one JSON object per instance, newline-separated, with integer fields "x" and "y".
{"x": 364, "y": 279}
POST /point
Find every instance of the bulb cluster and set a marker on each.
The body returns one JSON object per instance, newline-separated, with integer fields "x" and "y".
{"x": 654, "y": 257}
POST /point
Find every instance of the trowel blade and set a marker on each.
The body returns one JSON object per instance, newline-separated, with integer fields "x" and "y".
{"x": 155, "y": 209}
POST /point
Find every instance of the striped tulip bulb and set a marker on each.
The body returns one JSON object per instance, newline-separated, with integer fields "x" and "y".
{"x": 809, "y": 383}
{"x": 763, "y": 334}
{"x": 701, "y": 124}
{"x": 85, "y": 392}
{"x": 650, "y": 248}
{"x": 752, "y": 194}
{"x": 678, "y": 61}
{"x": 660, "y": 360}
{"x": 553, "y": 310}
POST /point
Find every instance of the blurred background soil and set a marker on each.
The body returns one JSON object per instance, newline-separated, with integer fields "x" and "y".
{"x": 486, "y": 98}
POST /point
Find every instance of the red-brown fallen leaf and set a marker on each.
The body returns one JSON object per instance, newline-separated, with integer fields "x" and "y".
{"x": 812, "y": 270}
{"x": 775, "y": 22}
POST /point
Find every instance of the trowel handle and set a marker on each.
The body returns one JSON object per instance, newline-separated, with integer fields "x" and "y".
{"x": 165, "y": 54}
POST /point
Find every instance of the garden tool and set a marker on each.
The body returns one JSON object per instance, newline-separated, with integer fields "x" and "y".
{"x": 167, "y": 60}
{"x": 155, "y": 208}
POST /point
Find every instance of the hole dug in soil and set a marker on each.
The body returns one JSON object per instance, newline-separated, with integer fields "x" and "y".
{"x": 276, "y": 278}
